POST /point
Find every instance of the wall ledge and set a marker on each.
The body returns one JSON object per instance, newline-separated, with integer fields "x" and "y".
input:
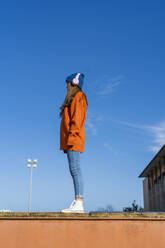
{"x": 155, "y": 216}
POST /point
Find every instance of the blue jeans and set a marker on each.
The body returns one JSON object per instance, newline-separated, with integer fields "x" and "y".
{"x": 75, "y": 171}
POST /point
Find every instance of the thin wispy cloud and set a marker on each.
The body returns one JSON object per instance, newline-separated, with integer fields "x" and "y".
{"x": 92, "y": 123}
{"x": 129, "y": 124}
{"x": 109, "y": 86}
{"x": 157, "y": 133}
{"x": 91, "y": 126}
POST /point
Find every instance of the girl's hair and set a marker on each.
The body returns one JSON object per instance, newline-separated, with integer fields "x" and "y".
{"x": 69, "y": 97}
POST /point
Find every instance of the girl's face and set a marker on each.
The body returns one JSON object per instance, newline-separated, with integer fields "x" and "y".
{"x": 68, "y": 85}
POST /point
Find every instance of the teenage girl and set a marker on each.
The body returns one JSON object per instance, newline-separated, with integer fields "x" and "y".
{"x": 72, "y": 134}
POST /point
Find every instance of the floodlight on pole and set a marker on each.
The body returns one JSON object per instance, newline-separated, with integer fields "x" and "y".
{"x": 31, "y": 164}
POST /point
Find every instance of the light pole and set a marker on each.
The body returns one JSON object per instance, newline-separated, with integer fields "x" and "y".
{"x": 31, "y": 164}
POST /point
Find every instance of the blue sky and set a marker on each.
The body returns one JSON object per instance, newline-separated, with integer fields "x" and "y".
{"x": 119, "y": 46}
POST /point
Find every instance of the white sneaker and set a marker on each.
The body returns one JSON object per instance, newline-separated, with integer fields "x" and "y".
{"x": 75, "y": 207}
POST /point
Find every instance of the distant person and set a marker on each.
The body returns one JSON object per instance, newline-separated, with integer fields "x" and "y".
{"x": 72, "y": 135}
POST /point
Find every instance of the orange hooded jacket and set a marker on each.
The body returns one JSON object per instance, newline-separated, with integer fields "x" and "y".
{"x": 72, "y": 133}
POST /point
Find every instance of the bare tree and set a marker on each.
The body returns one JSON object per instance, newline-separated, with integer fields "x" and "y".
{"x": 107, "y": 209}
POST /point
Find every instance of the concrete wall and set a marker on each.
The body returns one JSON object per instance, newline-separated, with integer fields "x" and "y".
{"x": 154, "y": 191}
{"x": 154, "y": 188}
{"x": 146, "y": 194}
{"x": 82, "y": 232}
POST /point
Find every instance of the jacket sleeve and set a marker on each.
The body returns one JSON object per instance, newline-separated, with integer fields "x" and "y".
{"x": 77, "y": 117}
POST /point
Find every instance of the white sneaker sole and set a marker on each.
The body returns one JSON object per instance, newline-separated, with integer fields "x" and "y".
{"x": 72, "y": 211}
